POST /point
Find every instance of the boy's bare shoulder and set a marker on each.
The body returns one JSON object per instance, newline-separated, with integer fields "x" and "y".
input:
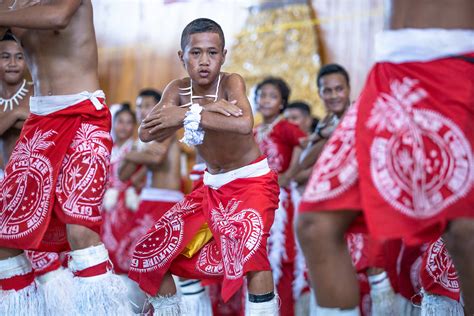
{"x": 232, "y": 77}
{"x": 179, "y": 83}
{"x": 232, "y": 81}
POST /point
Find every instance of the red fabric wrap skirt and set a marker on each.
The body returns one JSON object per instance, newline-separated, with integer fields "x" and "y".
{"x": 239, "y": 213}
{"x": 147, "y": 214}
{"x": 55, "y": 176}
{"x": 403, "y": 152}
{"x": 438, "y": 273}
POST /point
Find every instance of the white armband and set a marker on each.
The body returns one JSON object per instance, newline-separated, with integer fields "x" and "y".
{"x": 140, "y": 145}
{"x": 193, "y": 133}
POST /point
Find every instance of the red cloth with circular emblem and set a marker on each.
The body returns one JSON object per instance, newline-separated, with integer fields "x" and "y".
{"x": 55, "y": 176}
{"x": 403, "y": 152}
{"x": 43, "y": 262}
{"x": 438, "y": 274}
{"x": 239, "y": 214}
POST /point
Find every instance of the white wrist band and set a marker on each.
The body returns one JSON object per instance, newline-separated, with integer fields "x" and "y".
{"x": 193, "y": 133}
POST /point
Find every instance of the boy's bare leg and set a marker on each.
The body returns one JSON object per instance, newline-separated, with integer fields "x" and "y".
{"x": 260, "y": 282}
{"x": 261, "y": 299}
{"x": 81, "y": 237}
{"x": 9, "y": 252}
{"x": 321, "y": 235}
{"x": 168, "y": 287}
{"x": 166, "y": 302}
{"x": 460, "y": 243}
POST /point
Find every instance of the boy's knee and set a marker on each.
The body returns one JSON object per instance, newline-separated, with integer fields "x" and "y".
{"x": 306, "y": 227}
{"x": 314, "y": 227}
{"x": 80, "y": 237}
{"x": 458, "y": 236}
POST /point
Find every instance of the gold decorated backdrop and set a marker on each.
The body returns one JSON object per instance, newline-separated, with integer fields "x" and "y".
{"x": 272, "y": 42}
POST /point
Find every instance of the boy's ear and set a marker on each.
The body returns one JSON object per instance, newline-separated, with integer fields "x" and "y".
{"x": 224, "y": 53}
{"x": 181, "y": 57}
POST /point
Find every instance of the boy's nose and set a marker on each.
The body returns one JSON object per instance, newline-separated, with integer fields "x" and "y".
{"x": 204, "y": 60}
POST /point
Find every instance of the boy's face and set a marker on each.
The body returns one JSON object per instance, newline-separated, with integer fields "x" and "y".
{"x": 269, "y": 100}
{"x": 203, "y": 57}
{"x": 12, "y": 62}
{"x": 335, "y": 92}
{"x": 144, "y": 106}
{"x": 298, "y": 117}
{"x": 124, "y": 125}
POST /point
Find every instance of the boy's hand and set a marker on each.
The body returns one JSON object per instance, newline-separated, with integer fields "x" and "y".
{"x": 327, "y": 131}
{"x": 224, "y": 107}
{"x": 304, "y": 142}
{"x": 283, "y": 180}
{"x": 164, "y": 117}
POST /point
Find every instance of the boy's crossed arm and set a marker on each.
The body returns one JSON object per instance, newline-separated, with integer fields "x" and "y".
{"x": 234, "y": 116}
{"x": 31, "y": 14}
{"x": 227, "y": 116}
{"x": 160, "y": 126}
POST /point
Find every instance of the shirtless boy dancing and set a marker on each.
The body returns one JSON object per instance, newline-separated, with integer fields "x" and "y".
{"x": 237, "y": 198}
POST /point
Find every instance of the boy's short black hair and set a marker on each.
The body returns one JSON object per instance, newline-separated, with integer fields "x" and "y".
{"x": 8, "y": 36}
{"x": 300, "y": 105}
{"x": 125, "y": 108}
{"x": 332, "y": 69}
{"x": 150, "y": 93}
{"x": 201, "y": 25}
{"x": 280, "y": 84}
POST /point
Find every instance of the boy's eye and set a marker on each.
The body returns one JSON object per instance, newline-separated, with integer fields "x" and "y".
{"x": 195, "y": 53}
{"x": 213, "y": 53}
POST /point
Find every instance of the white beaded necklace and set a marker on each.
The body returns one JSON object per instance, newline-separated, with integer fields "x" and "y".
{"x": 189, "y": 91}
{"x": 15, "y": 99}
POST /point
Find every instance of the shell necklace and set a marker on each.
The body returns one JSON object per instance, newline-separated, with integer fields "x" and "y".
{"x": 15, "y": 99}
